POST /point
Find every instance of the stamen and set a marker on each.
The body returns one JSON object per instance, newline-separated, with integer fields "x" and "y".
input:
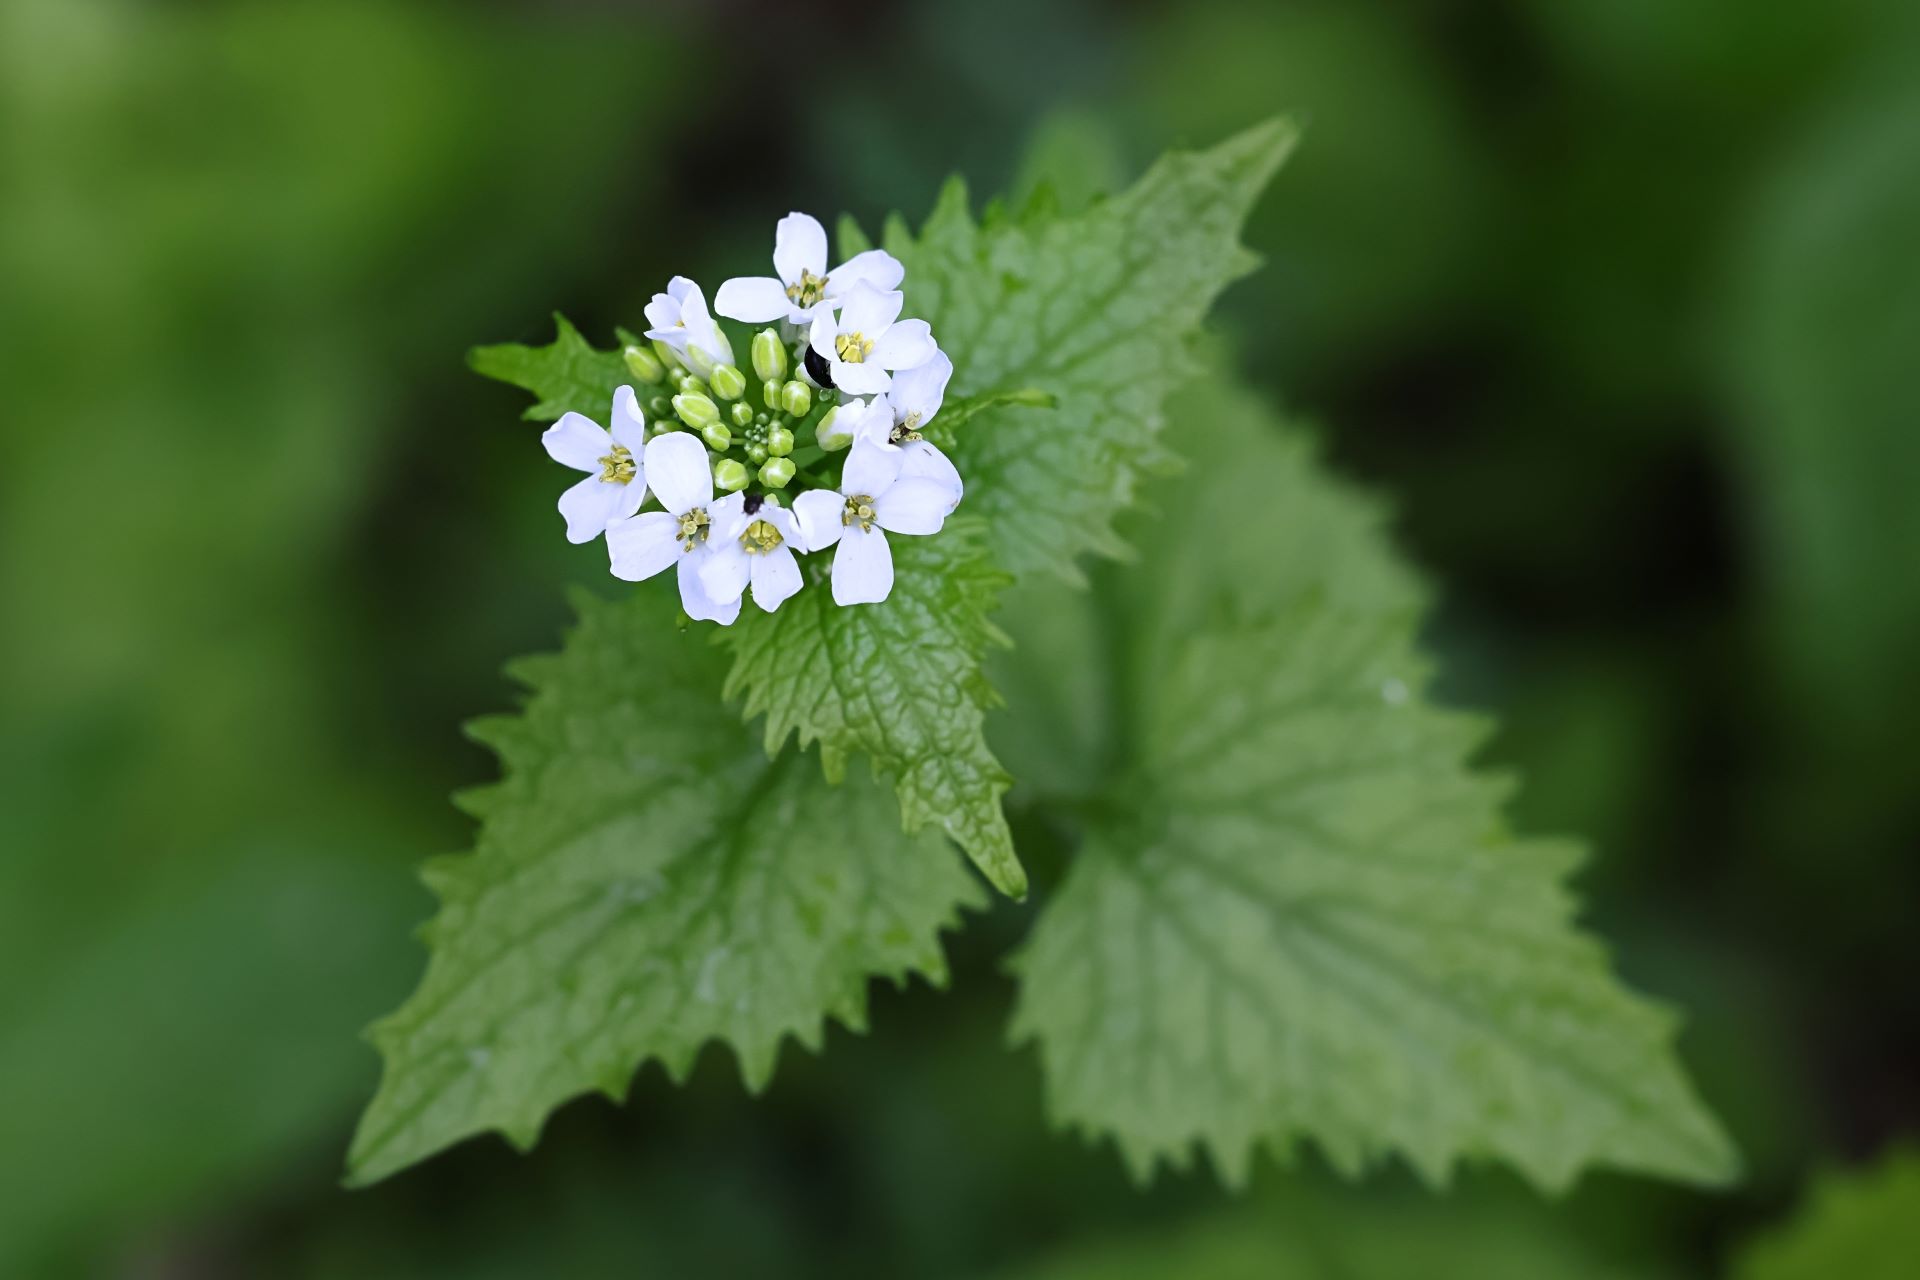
{"x": 761, "y": 537}
{"x": 618, "y": 467}
{"x": 859, "y": 510}
{"x": 693, "y": 528}
{"x": 854, "y": 348}
{"x": 810, "y": 289}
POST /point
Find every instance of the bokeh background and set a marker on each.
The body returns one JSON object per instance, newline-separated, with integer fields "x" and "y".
{"x": 1617, "y": 301}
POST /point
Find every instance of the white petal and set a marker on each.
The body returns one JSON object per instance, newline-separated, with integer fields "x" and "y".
{"x": 904, "y": 346}
{"x": 922, "y": 388}
{"x": 678, "y": 471}
{"x": 875, "y": 267}
{"x": 663, "y": 312}
{"x": 694, "y": 597}
{"x": 628, "y": 422}
{"x": 862, "y": 568}
{"x": 821, "y": 334}
{"x": 782, "y": 519}
{"x": 799, "y": 244}
{"x": 776, "y": 576}
{"x": 924, "y": 462}
{"x": 860, "y": 379}
{"x": 726, "y": 569}
{"x": 753, "y": 299}
{"x": 588, "y": 506}
{"x": 576, "y": 441}
{"x": 644, "y": 545}
{"x": 867, "y": 310}
{"x": 914, "y": 506}
{"x": 728, "y": 517}
{"x": 870, "y": 469}
{"x": 818, "y": 512}
{"x": 680, "y": 289}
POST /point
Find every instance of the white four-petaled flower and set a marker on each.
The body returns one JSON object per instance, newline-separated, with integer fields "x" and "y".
{"x": 640, "y": 546}
{"x": 894, "y": 421}
{"x": 616, "y": 482}
{"x": 865, "y": 339}
{"x": 680, "y": 319}
{"x": 803, "y": 283}
{"x": 753, "y": 542}
{"x": 874, "y": 499}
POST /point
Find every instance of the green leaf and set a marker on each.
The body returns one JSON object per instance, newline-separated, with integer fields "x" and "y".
{"x": 900, "y": 683}
{"x": 1296, "y": 911}
{"x": 645, "y": 881}
{"x": 1864, "y": 1226}
{"x": 566, "y": 375}
{"x": 1097, "y": 310}
{"x": 1065, "y": 335}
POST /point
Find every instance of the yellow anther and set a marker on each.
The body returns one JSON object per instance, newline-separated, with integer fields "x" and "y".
{"x": 760, "y": 538}
{"x": 854, "y": 348}
{"x": 693, "y": 528}
{"x": 809, "y": 291}
{"x": 618, "y": 467}
{"x": 859, "y": 510}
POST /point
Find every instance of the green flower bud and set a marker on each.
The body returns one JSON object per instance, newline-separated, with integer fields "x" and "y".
{"x": 700, "y": 362}
{"x": 756, "y": 454}
{"x": 830, "y": 435}
{"x": 730, "y": 475}
{"x": 769, "y": 356}
{"x": 742, "y": 414}
{"x": 695, "y": 410}
{"x": 776, "y": 473}
{"x": 770, "y": 392}
{"x": 729, "y": 383}
{"x": 796, "y": 399}
{"x": 779, "y": 442}
{"x": 668, "y": 360}
{"x": 717, "y": 436}
{"x": 659, "y": 407}
{"x": 643, "y": 364}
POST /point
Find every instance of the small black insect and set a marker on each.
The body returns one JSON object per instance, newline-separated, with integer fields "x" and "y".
{"x": 752, "y": 504}
{"x": 818, "y": 368}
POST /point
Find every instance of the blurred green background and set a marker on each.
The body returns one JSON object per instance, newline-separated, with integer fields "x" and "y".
{"x": 1616, "y": 300}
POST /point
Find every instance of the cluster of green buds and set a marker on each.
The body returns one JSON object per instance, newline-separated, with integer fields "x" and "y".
{"x": 753, "y": 435}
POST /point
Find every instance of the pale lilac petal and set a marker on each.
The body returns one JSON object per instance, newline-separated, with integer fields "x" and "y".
{"x": 678, "y": 471}
{"x": 643, "y": 545}
{"x": 924, "y": 462}
{"x": 752, "y": 299}
{"x": 904, "y": 345}
{"x": 865, "y": 379}
{"x": 818, "y": 512}
{"x": 588, "y": 506}
{"x": 920, "y": 389}
{"x": 799, "y": 244}
{"x": 576, "y": 441}
{"x": 867, "y": 310}
{"x": 822, "y": 333}
{"x": 870, "y": 469}
{"x": 776, "y": 576}
{"x": 875, "y": 267}
{"x": 862, "y": 568}
{"x": 726, "y": 570}
{"x": 629, "y": 423}
{"x": 914, "y": 506}
{"x": 694, "y": 598}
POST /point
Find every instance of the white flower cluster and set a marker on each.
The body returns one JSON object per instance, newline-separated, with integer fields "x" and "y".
{"x": 651, "y": 483}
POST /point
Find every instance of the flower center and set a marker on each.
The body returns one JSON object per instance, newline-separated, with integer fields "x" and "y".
{"x": 859, "y": 511}
{"x": 693, "y": 528}
{"x": 906, "y": 429}
{"x": 808, "y": 291}
{"x": 618, "y": 467}
{"x": 854, "y": 348}
{"x": 760, "y": 538}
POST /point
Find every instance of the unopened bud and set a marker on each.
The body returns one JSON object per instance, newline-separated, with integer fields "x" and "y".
{"x": 717, "y": 436}
{"x": 729, "y": 383}
{"x": 700, "y": 362}
{"x": 643, "y": 364}
{"x": 830, "y": 435}
{"x": 796, "y": 399}
{"x": 668, "y": 358}
{"x": 769, "y": 356}
{"x": 730, "y": 475}
{"x": 770, "y": 392}
{"x": 779, "y": 442}
{"x": 695, "y": 410}
{"x": 742, "y": 414}
{"x": 757, "y": 454}
{"x": 776, "y": 472}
